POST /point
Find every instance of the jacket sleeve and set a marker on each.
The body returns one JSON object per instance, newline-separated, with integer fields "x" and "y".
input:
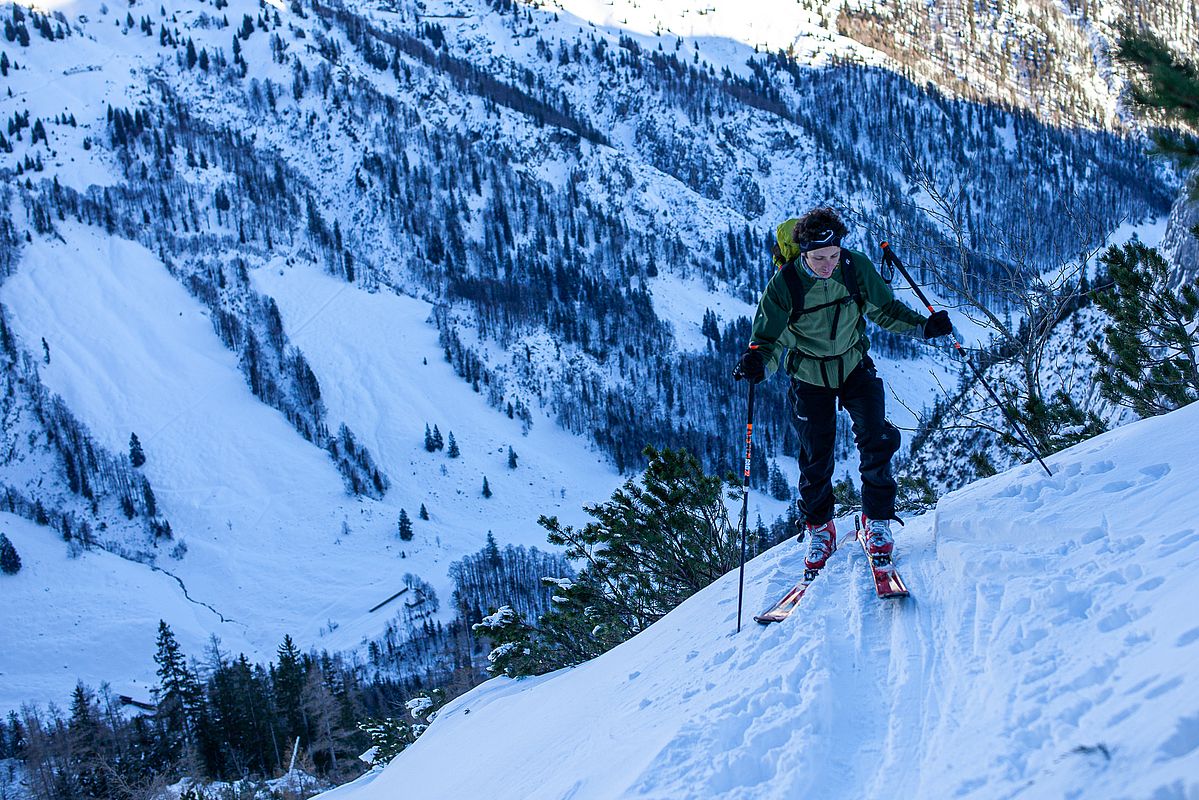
{"x": 882, "y": 306}
{"x": 771, "y": 320}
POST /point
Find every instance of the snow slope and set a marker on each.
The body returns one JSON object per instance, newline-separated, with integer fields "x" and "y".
{"x": 264, "y": 513}
{"x": 1047, "y": 651}
{"x": 93, "y": 619}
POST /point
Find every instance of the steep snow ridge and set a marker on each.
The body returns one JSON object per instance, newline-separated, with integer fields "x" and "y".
{"x": 1048, "y": 649}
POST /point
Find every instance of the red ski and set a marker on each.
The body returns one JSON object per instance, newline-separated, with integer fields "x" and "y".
{"x": 788, "y": 602}
{"x": 887, "y": 582}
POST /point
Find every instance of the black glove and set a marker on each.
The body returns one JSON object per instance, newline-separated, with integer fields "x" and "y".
{"x": 751, "y": 367}
{"x": 937, "y": 325}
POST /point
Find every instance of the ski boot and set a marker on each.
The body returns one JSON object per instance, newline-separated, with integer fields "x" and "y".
{"x": 822, "y": 543}
{"x": 879, "y": 542}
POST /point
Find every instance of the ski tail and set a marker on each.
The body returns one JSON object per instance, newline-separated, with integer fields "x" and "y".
{"x": 788, "y": 602}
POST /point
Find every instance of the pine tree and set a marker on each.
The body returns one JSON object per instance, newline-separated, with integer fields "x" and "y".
{"x": 916, "y": 495}
{"x": 779, "y": 488}
{"x": 388, "y": 737}
{"x": 651, "y": 546}
{"x": 136, "y": 454}
{"x": 424, "y": 512}
{"x": 405, "y": 525}
{"x": 491, "y": 551}
{"x": 1150, "y": 361}
{"x": 148, "y": 498}
{"x": 180, "y": 696}
{"x": 846, "y": 497}
{"x": 288, "y": 679}
{"x": 430, "y": 445}
{"x": 511, "y": 458}
{"x": 438, "y": 442}
{"x": 1052, "y": 424}
{"x": 86, "y": 735}
{"x": 1165, "y": 82}
{"x": 486, "y": 488}
{"x": 453, "y": 452}
{"x": 10, "y": 561}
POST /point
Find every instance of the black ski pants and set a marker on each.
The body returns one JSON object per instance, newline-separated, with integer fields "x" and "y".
{"x": 814, "y": 413}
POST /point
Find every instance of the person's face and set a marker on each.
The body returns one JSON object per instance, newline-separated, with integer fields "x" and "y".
{"x": 823, "y": 261}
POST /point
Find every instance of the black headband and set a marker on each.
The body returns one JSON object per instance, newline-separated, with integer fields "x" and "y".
{"x": 826, "y": 238}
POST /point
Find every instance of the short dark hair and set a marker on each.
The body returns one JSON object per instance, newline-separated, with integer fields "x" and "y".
{"x": 816, "y": 224}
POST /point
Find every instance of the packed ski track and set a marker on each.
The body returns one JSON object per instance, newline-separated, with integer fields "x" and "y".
{"x": 1047, "y": 650}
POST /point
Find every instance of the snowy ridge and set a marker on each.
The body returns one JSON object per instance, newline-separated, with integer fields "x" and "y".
{"x": 1047, "y": 651}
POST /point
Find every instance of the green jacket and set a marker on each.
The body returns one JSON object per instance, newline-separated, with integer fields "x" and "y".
{"x": 823, "y": 346}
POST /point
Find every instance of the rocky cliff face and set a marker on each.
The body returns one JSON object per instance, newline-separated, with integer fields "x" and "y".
{"x": 1049, "y": 56}
{"x": 1179, "y": 244}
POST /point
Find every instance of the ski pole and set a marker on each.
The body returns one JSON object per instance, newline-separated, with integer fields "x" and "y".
{"x": 749, "y": 449}
{"x": 889, "y": 257}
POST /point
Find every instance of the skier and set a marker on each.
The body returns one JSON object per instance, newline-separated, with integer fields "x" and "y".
{"x": 815, "y": 308}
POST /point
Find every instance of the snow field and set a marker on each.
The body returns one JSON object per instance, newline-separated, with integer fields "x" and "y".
{"x": 93, "y": 618}
{"x": 1047, "y": 651}
{"x": 261, "y": 510}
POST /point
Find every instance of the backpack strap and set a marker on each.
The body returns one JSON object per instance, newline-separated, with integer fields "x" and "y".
{"x": 791, "y": 276}
{"x": 849, "y": 275}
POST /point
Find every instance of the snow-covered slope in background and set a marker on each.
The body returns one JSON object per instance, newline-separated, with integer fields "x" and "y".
{"x": 805, "y": 29}
{"x": 1048, "y": 650}
{"x": 275, "y": 545}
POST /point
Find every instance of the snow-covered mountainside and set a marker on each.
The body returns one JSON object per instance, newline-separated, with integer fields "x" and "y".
{"x": 276, "y": 241}
{"x": 273, "y": 543}
{"x": 1048, "y": 650}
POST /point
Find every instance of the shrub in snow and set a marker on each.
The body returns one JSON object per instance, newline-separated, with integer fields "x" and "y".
{"x": 511, "y": 654}
{"x": 1148, "y": 360}
{"x": 388, "y": 739}
{"x": 653, "y": 545}
{"x": 389, "y": 736}
{"x": 418, "y": 706}
{"x": 656, "y": 542}
{"x": 500, "y": 619}
{"x": 10, "y": 562}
